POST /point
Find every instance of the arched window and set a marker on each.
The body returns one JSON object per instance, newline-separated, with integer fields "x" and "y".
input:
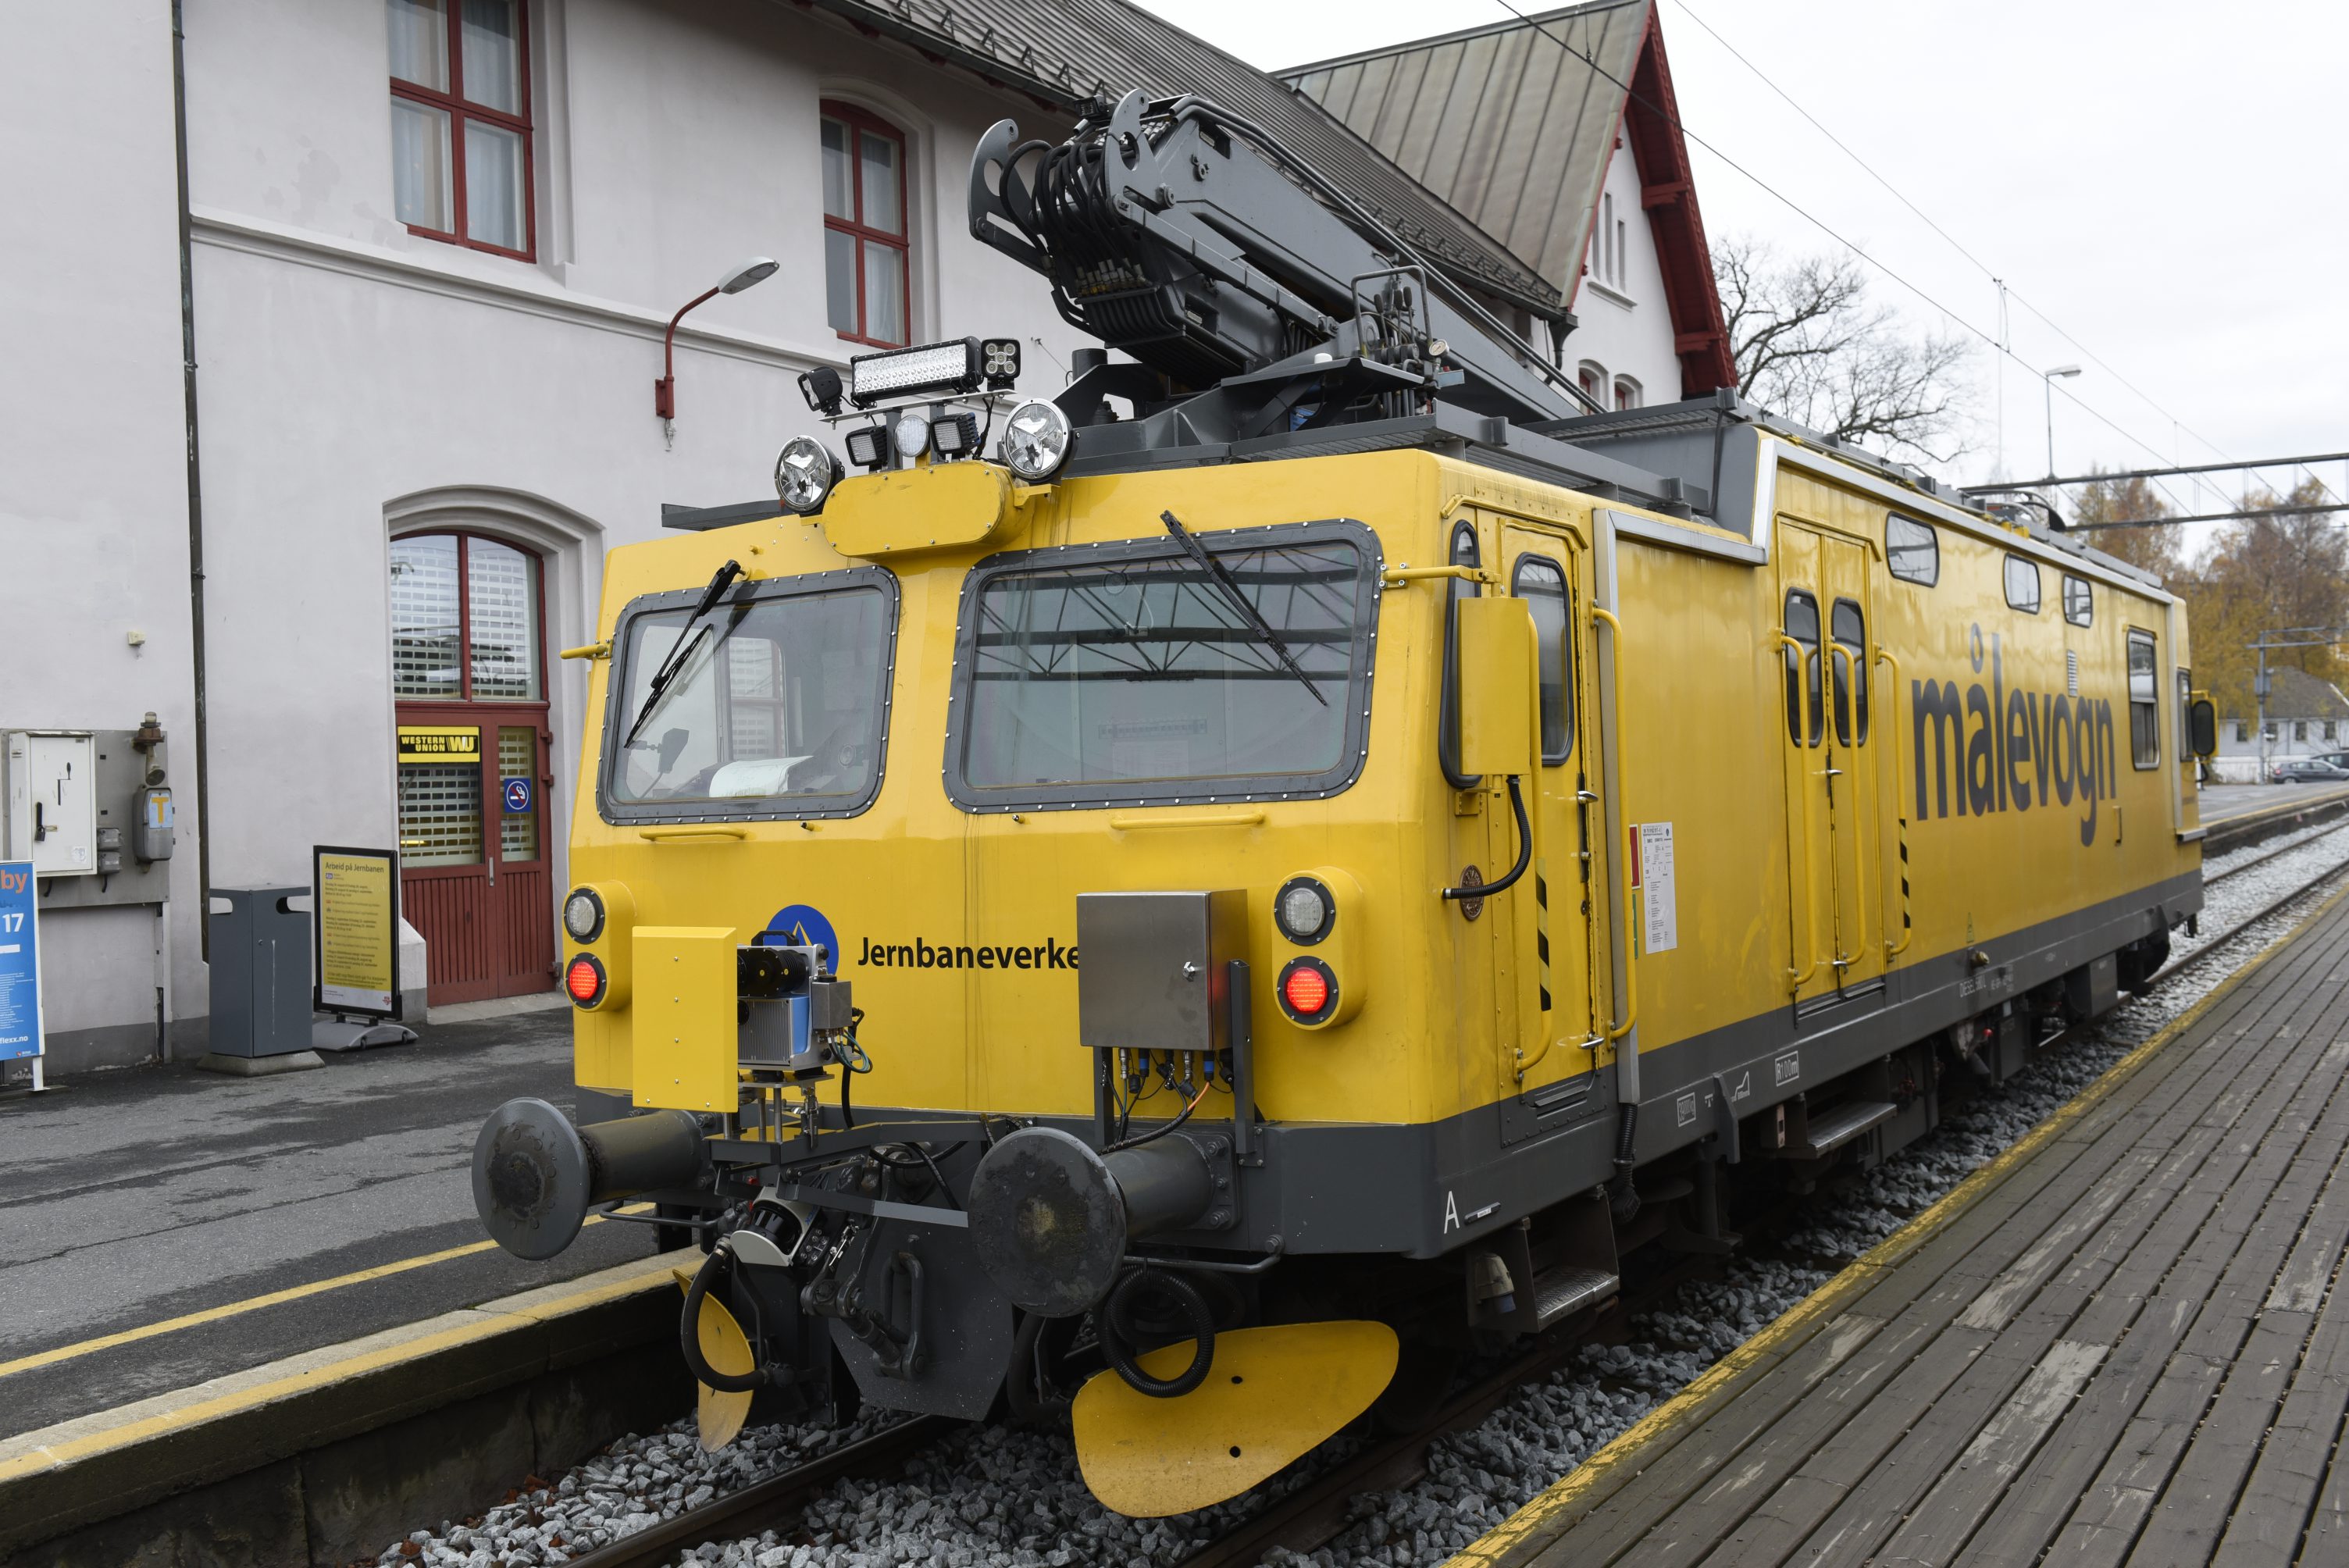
{"x": 1627, "y": 392}
{"x": 1592, "y": 376}
{"x": 866, "y": 255}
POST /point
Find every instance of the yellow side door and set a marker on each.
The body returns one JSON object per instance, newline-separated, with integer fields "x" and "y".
{"x": 1558, "y": 1035}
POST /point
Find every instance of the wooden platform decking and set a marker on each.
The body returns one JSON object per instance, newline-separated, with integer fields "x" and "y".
{"x": 2122, "y": 1343}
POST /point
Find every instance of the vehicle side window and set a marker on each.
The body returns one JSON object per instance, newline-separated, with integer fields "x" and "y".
{"x": 2185, "y": 713}
{"x": 1541, "y": 584}
{"x": 1849, "y": 627}
{"x": 2145, "y": 701}
{"x": 1912, "y": 551}
{"x": 2021, "y": 585}
{"x": 1802, "y": 670}
{"x": 2079, "y": 601}
{"x": 1464, "y": 552}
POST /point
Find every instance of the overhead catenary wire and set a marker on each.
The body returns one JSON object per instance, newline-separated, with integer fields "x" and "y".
{"x": 2006, "y": 287}
{"x": 1827, "y": 229}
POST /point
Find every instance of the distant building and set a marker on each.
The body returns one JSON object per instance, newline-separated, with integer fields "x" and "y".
{"x": 1559, "y": 136}
{"x": 2306, "y": 716}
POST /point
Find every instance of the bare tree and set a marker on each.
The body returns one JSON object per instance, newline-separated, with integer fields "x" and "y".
{"x": 1811, "y": 346}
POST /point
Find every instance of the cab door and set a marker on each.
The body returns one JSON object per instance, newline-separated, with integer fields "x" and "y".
{"x": 1548, "y": 1060}
{"x": 1835, "y": 804}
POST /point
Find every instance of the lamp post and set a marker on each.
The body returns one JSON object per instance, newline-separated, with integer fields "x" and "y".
{"x": 2047, "y": 384}
{"x": 758, "y": 269}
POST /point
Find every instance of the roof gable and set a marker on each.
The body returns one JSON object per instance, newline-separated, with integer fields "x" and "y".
{"x": 1518, "y": 133}
{"x": 1061, "y": 52}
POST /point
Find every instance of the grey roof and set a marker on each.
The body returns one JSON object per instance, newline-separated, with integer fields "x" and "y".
{"x": 1062, "y": 51}
{"x": 2296, "y": 694}
{"x": 1516, "y": 131}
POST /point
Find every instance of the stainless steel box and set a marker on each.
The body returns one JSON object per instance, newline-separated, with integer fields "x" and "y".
{"x": 1152, "y": 976}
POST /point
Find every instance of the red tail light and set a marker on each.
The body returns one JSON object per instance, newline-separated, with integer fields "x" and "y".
{"x": 585, "y": 980}
{"x": 1308, "y": 990}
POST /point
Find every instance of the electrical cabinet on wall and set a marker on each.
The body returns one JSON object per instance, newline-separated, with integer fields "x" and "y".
{"x": 52, "y": 798}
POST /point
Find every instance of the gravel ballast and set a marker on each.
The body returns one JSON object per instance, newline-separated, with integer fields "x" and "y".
{"x": 996, "y": 1496}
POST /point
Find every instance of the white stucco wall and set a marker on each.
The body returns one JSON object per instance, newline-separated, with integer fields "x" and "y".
{"x": 1627, "y": 327}
{"x": 355, "y": 378}
{"x": 93, "y": 490}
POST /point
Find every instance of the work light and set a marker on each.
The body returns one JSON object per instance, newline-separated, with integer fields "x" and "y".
{"x": 869, "y": 448}
{"x": 901, "y": 372}
{"x": 1036, "y": 440}
{"x": 804, "y": 474}
{"x": 910, "y": 434}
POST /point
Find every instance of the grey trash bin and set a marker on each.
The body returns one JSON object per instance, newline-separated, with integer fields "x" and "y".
{"x": 261, "y": 973}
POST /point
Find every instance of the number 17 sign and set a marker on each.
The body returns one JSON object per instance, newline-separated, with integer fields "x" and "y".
{"x": 20, "y": 965}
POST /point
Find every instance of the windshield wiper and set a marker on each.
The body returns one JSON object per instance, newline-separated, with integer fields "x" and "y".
{"x": 720, "y": 582}
{"x": 1220, "y": 574}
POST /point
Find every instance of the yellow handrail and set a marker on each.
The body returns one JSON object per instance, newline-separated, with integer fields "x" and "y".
{"x": 592, "y": 651}
{"x": 1615, "y": 767}
{"x": 1398, "y": 576}
{"x": 697, "y": 831}
{"x": 1899, "y": 814}
{"x": 1797, "y": 978}
{"x": 1195, "y": 820}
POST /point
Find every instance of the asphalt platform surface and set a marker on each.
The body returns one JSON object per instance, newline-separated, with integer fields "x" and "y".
{"x": 2221, "y": 801}
{"x": 132, "y": 1197}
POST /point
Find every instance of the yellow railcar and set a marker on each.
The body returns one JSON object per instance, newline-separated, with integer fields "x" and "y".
{"x": 1297, "y": 901}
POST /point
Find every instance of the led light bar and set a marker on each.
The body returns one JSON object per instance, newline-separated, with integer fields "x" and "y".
{"x": 933, "y": 368}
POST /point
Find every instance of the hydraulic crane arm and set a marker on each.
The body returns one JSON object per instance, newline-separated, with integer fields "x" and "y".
{"x": 1178, "y": 233}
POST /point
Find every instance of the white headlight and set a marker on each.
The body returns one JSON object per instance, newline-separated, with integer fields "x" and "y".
{"x": 1036, "y": 440}
{"x": 583, "y": 914}
{"x": 1302, "y": 910}
{"x": 911, "y": 436}
{"x": 805, "y": 473}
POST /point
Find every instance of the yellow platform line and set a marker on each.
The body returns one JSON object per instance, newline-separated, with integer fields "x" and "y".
{"x": 1630, "y": 1450}
{"x": 255, "y": 1304}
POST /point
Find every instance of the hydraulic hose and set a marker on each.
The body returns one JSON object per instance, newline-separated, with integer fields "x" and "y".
{"x": 1525, "y": 852}
{"x": 1623, "y": 1198}
{"x": 1119, "y": 1348}
{"x": 690, "y": 1330}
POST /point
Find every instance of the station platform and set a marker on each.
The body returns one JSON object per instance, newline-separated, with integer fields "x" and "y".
{"x": 2225, "y": 802}
{"x": 2121, "y": 1342}
{"x": 161, "y": 1226}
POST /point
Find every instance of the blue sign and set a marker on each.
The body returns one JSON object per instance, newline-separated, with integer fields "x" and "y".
{"x": 801, "y": 925}
{"x": 518, "y": 795}
{"x": 20, "y": 963}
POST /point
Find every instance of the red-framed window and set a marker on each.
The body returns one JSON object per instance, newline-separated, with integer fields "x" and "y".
{"x": 867, "y": 261}
{"x": 460, "y": 141}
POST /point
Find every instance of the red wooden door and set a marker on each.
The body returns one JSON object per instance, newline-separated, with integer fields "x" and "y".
{"x": 473, "y": 764}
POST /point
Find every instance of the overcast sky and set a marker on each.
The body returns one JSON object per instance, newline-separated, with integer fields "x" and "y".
{"x": 2165, "y": 181}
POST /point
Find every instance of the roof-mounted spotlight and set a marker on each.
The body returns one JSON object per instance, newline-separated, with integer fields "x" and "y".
{"x": 822, "y": 388}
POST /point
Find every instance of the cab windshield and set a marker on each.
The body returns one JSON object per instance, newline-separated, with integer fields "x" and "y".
{"x": 776, "y": 709}
{"x": 1129, "y": 674}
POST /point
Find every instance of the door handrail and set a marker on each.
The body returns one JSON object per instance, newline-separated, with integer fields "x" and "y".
{"x": 1797, "y": 978}
{"x": 1899, "y": 816}
{"x": 1615, "y": 765}
{"x": 1848, "y": 716}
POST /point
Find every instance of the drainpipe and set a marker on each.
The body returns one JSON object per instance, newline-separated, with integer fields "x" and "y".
{"x": 195, "y": 488}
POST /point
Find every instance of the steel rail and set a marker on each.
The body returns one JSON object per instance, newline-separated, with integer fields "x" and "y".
{"x": 2171, "y": 971}
{"x": 753, "y": 1508}
{"x": 2317, "y": 837}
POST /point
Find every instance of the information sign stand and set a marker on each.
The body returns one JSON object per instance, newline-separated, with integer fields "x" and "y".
{"x": 21, "y": 1034}
{"x": 355, "y": 938}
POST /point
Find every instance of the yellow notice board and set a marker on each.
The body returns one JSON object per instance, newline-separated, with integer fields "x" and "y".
{"x": 354, "y": 926}
{"x": 454, "y": 743}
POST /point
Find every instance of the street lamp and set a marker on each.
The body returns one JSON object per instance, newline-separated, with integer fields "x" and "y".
{"x": 758, "y": 269}
{"x": 2047, "y": 381}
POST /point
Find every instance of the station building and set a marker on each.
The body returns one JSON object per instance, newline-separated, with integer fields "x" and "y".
{"x": 337, "y": 330}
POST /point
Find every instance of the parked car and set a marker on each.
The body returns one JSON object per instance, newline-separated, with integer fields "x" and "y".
{"x": 2312, "y": 770}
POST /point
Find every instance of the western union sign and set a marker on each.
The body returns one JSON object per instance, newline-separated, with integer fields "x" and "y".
{"x": 459, "y": 743}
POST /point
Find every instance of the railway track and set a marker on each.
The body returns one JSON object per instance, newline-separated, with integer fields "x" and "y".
{"x": 2262, "y": 860}
{"x": 2299, "y": 889}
